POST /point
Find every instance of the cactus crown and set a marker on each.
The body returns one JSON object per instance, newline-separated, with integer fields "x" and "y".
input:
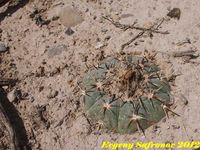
{"x": 126, "y": 93}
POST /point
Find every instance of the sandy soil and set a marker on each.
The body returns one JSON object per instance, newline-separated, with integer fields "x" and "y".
{"x": 48, "y": 63}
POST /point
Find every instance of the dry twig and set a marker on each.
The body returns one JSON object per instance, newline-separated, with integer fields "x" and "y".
{"x": 152, "y": 28}
{"x": 133, "y": 39}
{"x": 190, "y": 53}
{"x": 126, "y": 27}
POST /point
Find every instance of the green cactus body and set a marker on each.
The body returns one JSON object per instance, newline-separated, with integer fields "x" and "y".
{"x": 126, "y": 94}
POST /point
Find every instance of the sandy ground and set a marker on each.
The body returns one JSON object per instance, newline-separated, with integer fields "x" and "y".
{"x": 48, "y": 63}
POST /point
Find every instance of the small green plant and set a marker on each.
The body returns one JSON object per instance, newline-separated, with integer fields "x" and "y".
{"x": 126, "y": 93}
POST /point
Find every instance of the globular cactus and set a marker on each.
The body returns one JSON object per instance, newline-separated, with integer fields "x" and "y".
{"x": 126, "y": 93}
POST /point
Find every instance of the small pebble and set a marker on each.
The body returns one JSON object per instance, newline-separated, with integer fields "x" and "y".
{"x": 95, "y": 17}
{"x": 99, "y": 45}
{"x": 184, "y": 99}
{"x": 14, "y": 95}
{"x": 56, "y": 50}
{"x": 175, "y": 126}
{"x": 32, "y": 99}
{"x": 40, "y": 21}
{"x": 52, "y": 94}
{"x": 107, "y": 37}
{"x": 69, "y": 31}
{"x": 175, "y": 13}
{"x": 41, "y": 88}
{"x": 3, "y": 48}
{"x": 104, "y": 30}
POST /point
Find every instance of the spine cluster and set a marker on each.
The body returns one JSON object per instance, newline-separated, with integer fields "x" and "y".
{"x": 126, "y": 93}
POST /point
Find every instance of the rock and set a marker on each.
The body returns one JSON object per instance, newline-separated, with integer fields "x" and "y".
{"x": 107, "y": 37}
{"x": 40, "y": 21}
{"x": 3, "y": 48}
{"x": 32, "y": 99}
{"x": 52, "y": 94}
{"x": 175, "y": 13}
{"x": 41, "y": 88}
{"x": 56, "y": 50}
{"x": 14, "y": 95}
{"x": 99, "y": 45}
{"x": 104, "y": 30}
{"x": 69, "y": 31}
{"x": 175, "y": 126}
{"x": 70, "y": 17}
{"x": 183, "y": 99}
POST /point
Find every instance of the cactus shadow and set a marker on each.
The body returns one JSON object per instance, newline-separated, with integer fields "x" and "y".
{"x": 15, "y": 120}
{"x": 11, "y": 9}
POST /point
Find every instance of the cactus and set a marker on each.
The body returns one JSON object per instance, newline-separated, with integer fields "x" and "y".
{"x": 126, "y": 93}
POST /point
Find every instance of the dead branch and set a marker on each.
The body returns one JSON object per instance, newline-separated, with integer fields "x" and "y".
{"x": 190, "y": 53}
{"x": 152, "y": 28}
{"x": 126, "y": 27}
{"x": 132, "y": 40}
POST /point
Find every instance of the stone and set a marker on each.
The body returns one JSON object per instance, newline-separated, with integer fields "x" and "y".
{"x": 14, "y": 95}
{"x": 69, "y": 31}
{"x": 70, "y": 17}
{"x": 3, "y": 48}
{"x": 99, "y": 45}
{"x": 175, "y": 13}
{"x": 52, "y": 94}
{"x": 56, "y": 50}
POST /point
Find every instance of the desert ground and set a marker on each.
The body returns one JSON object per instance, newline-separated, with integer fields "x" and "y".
{"x": 47, "y": 60}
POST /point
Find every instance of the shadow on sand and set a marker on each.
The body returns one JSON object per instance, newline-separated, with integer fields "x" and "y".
{"x": 11, "y": 9}
{"x": 15, "y": 121}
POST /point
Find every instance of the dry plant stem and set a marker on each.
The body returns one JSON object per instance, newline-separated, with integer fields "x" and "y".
{"x": 190, "y": 53}
{"x": 132, "y": 40}
{"x": 126, "y": 27}
{"x": 141, "y": 33}
{"x": 63, "y": 119}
